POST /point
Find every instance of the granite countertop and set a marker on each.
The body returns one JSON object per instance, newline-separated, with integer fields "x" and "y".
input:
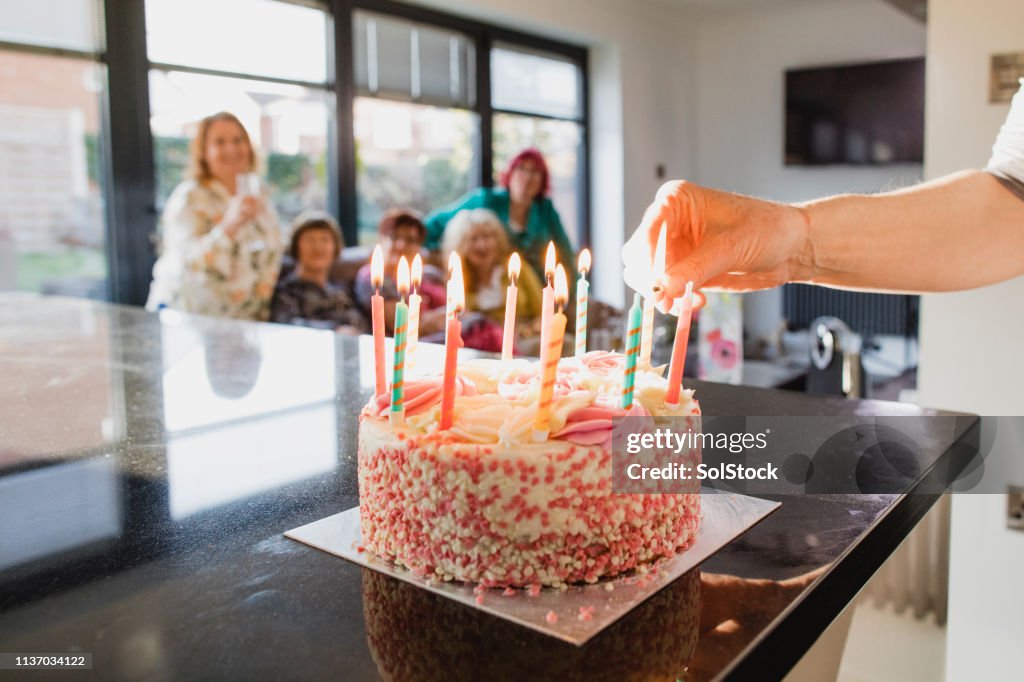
{"x": 149, "y": 465}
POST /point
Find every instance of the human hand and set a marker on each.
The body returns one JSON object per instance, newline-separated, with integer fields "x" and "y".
{"x": 717, "y": 240}
{"x": 241, "y": 210}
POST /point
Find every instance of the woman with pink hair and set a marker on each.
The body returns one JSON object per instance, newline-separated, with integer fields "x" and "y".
{"x": 522, "y": 205}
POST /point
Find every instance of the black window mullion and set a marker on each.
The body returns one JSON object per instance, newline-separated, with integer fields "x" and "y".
{"x": 130, "y": 186}
{"x": 344, "y": 120}
{"x": 484, "y": 109}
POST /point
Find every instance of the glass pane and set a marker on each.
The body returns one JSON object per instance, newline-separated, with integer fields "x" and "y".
{"x": 559, "y": 142}
{"x": 70, "y": 24}
{"x": 253, "y": 37}
{"x": 535, "y": 83}
{"x": 409, "y": 155}
{"x": 52, "y": 227}
{"x": 404, "y": 60}
{"x": 286, "y": 123}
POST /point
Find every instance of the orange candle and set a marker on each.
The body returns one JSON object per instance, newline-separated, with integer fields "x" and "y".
{"x": 547, "y": 305}
{"x": 550, "y": 355}
{"x": 377, "y": 314}
{"x": 511, "y": 298}
{"x": 675, "y": 369}
{"x": 452, "y": 340}
{"x": 414, "y": 312}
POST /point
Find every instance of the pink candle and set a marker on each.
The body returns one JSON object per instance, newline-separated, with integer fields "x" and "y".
{"x": 377, "y": 314}
{"x": 675, "y": 370}
{"x": 547, "y": 306}
{"x": 452, "y": 341}
{"x": 511, "y": 298}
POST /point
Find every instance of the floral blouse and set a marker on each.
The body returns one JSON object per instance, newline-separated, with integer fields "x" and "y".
{"x": 203, "y": 270}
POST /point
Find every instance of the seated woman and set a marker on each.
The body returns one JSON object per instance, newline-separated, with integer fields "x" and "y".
{"x": 306, "y": 297}
{"x": 401, "y": 234}
{"x": 479, "y": 237}
{"x": 220, "y": 243}
{"x": 522, "y": 205}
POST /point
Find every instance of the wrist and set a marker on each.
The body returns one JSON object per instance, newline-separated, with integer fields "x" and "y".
{"x": 803, "y": 264}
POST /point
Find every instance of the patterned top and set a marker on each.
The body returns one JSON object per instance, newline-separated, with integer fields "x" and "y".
{"x": 203, "y": 270}
{"x": 300, "y": 301}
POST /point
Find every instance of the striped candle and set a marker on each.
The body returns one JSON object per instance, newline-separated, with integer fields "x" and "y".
{"x": 632, "y": 350}
{"x": 550, "y": 355}
{"x": 646, "y": 333}
{"x": 582, "y": 296}
{"x": 397, "y": 415}
{"x": 416, "y": 275}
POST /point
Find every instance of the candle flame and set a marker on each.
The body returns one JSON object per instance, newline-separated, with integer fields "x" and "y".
{"x": 550, "y": 261}
{"x": 561, "y": 286}
{"x": 377, "y": 266}
{"x": 514, "y": 265}
{"x": 584, "y": 262}
{"x": 402, "y": 280}
{"x": 417, "y": 271}
{"x": 456, "y": 287}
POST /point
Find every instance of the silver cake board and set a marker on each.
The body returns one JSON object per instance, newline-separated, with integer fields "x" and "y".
{"x": 726, "y": 516}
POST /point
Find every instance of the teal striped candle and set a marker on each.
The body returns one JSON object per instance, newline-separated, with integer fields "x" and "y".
{"x": 397, "y": 415}
{"x": 635, "y": 320}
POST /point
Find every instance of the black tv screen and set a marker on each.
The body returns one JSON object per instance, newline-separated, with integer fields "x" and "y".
{"x": 870, "y": 114}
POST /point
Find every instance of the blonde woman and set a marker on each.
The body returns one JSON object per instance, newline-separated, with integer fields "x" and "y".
{"x": 479, "y": 237}
{"x": 220, "y": 243}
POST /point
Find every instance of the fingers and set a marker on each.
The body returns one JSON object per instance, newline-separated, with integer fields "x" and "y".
{"x": 711, "y": 259}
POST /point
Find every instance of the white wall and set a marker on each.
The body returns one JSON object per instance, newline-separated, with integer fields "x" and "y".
{"x": 971, "y": 342}
{"x": 641, "y": 89}
{"x": 742, "y": 55}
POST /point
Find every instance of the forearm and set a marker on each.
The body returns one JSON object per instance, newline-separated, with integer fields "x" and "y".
{"x": 958, "y": 232}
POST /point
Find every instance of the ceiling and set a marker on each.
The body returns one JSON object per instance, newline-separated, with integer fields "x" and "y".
{"x": 915, "y": 8}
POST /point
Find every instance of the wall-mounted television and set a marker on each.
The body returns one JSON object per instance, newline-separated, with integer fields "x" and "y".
{"x": 859, "y": 114}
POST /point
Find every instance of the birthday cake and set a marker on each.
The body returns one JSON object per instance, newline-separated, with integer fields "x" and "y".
{"x": 484, "y": 502}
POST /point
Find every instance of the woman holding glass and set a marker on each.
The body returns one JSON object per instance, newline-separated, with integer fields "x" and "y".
{"x": 220, "y": 235}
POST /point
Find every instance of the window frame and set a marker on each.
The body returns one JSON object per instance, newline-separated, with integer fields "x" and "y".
{"x": 484, "y": 36}
{"x": 129, "y": 168}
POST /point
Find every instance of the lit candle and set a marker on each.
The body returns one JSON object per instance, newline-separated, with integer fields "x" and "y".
{"x": 414, "y": 312}
{"x": 550, "y": 354}
{"x": 377, "y": 310}
{"x": 547, "y": 304}
{"x": 647, "y": 333}
{"x": 511, "y": 298}
{"x": 582, "y": 291}
{"x": 632, "y": 350}
{"x": 452, "y": 339}
{"x": 397, "y": 414}
{"x": 675, "y": 368}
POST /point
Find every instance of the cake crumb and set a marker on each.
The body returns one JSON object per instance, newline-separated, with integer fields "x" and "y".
{"x": 551, "y": 618}
{"x": 586, "y": 613}
{"x": 534, "y": 590}
{"x": 608, "y": 587}
{"x": 480, "y": 599}
{"x": 509, "y": 592}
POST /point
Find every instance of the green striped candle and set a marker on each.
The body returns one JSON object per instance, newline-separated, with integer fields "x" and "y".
{"x": 397, "y": 415}
{"x": 635, "y": 320}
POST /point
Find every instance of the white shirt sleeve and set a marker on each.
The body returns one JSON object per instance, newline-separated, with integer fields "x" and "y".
{"x": 1007, "y": 162}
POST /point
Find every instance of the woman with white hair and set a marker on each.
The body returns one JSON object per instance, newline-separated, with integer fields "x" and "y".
{"x": 478, "y": 236}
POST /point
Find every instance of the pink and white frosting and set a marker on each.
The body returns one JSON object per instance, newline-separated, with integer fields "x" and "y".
{"x": 482, "y": 502}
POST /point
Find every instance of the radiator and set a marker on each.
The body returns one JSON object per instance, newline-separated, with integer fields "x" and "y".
{"x": 916, "y": 576}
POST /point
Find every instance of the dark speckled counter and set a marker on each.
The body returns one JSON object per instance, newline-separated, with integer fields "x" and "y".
{"x": 150, "y": 464}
